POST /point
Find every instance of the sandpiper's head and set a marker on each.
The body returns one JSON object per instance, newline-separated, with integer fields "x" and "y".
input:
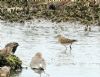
{"x": 38, "y": 54}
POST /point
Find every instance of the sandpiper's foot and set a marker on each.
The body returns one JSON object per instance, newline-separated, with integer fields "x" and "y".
{"x": 70, "y": 47}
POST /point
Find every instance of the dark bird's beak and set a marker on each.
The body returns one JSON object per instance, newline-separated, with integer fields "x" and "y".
{"x": 17, "y": 44}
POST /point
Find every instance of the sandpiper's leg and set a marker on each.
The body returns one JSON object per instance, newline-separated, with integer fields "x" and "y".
{"x": 65, "y": 47}
{"x": 70, "y": 48}
{"x": 40, "y": 75}
{"x": 47, "y": 75}
{"x": 65, "y": 51}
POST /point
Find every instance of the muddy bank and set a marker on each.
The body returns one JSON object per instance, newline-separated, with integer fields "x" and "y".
{"x": 83, "y": 11}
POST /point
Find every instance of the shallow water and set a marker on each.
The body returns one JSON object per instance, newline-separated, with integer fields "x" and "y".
{"x": 39, "y": 36}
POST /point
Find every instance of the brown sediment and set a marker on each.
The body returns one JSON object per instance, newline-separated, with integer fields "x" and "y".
{"x": 69, "y": 11}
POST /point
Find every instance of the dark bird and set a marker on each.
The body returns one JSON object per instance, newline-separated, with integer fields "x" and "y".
{"x": 12, "y": 45}
{"x": 10, "y": 48}
{"x": 38, "y": 64}
{"x": 65, "y": 41}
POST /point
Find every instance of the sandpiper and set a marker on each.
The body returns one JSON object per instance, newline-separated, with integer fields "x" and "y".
{"x": 65, "y": 41}
{"x": 38, "y": 63}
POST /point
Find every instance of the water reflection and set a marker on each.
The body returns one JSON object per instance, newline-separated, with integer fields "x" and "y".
{"x": 16, "y": 74}
{"x": 40, "y": 37}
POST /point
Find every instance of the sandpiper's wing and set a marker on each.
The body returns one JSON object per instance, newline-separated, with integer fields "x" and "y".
{"x": 43, "y": 64}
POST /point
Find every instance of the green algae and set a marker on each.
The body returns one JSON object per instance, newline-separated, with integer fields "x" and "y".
{"x": 13, "y": 61}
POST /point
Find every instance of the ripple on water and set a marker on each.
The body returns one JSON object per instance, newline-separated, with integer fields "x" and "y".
{"x": 39, "y": 36}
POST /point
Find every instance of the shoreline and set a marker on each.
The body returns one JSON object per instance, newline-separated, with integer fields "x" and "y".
{"x": 76, "y": 11}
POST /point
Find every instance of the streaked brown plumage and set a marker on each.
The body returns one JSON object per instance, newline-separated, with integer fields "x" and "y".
{"x": 5, "y": 71}
{"x": 9, "y": 48}
{"x": 38, "y": 63}
{"x": 65, "y": 41}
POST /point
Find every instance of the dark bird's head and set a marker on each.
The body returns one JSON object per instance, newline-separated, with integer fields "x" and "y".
{"x": 12, "y": 45}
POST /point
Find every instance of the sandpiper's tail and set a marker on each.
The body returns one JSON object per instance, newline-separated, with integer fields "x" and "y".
{"x": 74, "y": 40}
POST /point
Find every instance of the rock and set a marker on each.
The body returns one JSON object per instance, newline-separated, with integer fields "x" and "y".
{"x": 5, "y": 71}
{"x": 13, "y": 61}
